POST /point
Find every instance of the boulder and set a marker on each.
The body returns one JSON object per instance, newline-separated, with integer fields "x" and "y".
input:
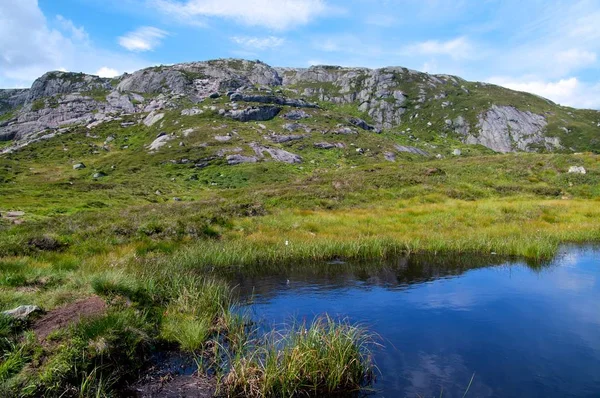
{"x": 238, "y": 159}
{"x": 296, "y": 115}
{"x": 360, "y": 124}
{"x": 389, "y": 156}
{"x": 410, "y": 149}
{"x": 78, "y": 166}
{"x": 324, "y": 145}
{"x": 277, "y": 154}
{"x": 257, "y": 113}
{"x": 280, "y": 139}
{"x": 159, "y": 142}
{"x": 457, "y": 152}
{"x": 577, "y": 170}
{"x": 153, "y": 118}
{"x": 272, "y": 99}
{"x": 22, "y": 312}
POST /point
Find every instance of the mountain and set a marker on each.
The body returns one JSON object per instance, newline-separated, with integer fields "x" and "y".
{"x": 419, "y": 106}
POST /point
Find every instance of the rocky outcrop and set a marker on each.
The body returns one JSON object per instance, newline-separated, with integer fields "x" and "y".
{"x": 376, "y": 91}
{"x": 271, "y": 99}
{"x": 384, "y": 98}
{"x": 54, "y": 83}
{"x": 327, "y": 145}
{"x": 280, "y": 139}
{"x": 257, "y": 113}
{"x": 507, "y": 129}
{"x": 277, "y": 154}
{"x": 410, "y": 149}
{"x": 239, "y": 159}
{"x": 296, "y": 115}
{"x": 361, "y": 124}
{"x": 159, "y": 142}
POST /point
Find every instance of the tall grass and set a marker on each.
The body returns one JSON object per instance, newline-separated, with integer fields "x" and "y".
{"x": 325, "y": 357}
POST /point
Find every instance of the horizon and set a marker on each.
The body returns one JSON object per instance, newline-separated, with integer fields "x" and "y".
{"x": 548, "y": 49}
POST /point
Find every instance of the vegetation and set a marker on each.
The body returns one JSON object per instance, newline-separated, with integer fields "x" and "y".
{"x": 323, "y": 358}
{"x": 154, "y": 237}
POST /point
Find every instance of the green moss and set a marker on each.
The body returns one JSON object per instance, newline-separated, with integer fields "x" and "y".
{"x": 38, "y": 105}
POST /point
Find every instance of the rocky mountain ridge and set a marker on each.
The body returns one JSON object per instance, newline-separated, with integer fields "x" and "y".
{"x": 392, "y": 99}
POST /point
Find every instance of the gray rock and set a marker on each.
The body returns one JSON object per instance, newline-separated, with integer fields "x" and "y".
{"x": 159, "y": 142}
{"x": 238, "y": 159}
{"x": 277, "y": 154}
{"x": 457, "y": 152}
{"x": 14, "y": 214}
{"x": 295, "y": 127}
{"x": 507, "y": 129}
{"x": 410, "y": 149}
{"x": 271, "y": 99}
{"x": 191, "y": 112}
{"x": 296, "y": 115}
{"x": 223, "y": 138}
{"x": 280, "y": 139}
{"x": 345, "y": 131}
{"x": 324, "y": 145}
{"x": 360, "y": 124}
{"x": 214, "y": 95}
{"x": 577, "y": 170}
{"x": 257, "y": 113}
{"x": 22, "y": 312}
{"x": 153, "y": 118}
{"x": 78, "y": 166}
{"x": 98, "y": 175}
{"x": 389, "y": 156}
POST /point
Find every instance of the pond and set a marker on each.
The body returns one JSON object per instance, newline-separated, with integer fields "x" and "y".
{"x": 513, "y": 329}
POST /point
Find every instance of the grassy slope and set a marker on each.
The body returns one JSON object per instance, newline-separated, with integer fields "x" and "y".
{"x": 116, "y": 237}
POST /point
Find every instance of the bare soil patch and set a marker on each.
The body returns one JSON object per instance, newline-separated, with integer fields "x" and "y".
{"x": 67, "y": 315}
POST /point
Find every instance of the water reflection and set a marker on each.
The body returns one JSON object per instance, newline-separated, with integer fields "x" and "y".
{"x": 524, "y": 330}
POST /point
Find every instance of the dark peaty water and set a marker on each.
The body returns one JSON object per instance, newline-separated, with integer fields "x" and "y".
{"x": 524, "y": 331}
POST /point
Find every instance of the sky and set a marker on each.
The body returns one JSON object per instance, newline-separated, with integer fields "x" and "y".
{"x": 547, "y": 47}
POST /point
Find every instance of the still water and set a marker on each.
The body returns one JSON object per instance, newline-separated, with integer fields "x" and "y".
{"x": 521, "y": 330}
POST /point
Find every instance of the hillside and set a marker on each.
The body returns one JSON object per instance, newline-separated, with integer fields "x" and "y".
{"x": 416, "y": 109}
{"x": 127, "y": 203}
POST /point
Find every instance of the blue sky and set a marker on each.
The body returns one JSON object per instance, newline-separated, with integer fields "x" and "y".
{"x": 549, "y": 47}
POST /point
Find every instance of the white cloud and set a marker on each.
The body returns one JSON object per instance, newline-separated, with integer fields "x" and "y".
{"x": 29, "y": 47}
{"x": 78, "y": 33}
{"x": 107, "y": 72}
{"x": 573, "y": 59}
{"x": 457, "y": 48}
{"x": 259, "y": 43}
{"x": 280, "y": 15}
{"x": 146, "y": 38}
{"x": 569, "y": 91}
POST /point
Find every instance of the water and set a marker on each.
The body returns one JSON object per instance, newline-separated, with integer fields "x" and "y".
{"x": 523, "y": 331}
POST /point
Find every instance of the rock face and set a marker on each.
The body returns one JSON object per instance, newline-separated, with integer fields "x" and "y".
{"x": 278, "y": 155}
{"x": 375, "y": 90}
{"x": 506, "y": 129}
{"x": 271, "y": 99}
{"x": 410, "y": 149}
{"x": 385, "y": 98}
{"x": 239, "y": 159}
{"x": 258, "y": 113}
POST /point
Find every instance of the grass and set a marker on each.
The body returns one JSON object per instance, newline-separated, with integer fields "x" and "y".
{"x": 323, "y": 358}
{"x": 162, "y": 265}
